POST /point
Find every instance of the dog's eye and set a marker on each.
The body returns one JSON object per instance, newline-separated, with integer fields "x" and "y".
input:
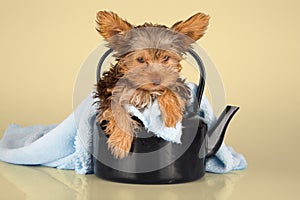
{"x": 140, "y": 59}
{"x": 166, "y": 58}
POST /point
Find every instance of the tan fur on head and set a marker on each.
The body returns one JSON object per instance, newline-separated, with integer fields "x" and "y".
{"x": 124, "y": 37}
{"x": 148, "y": 69}
{"x": 110, "y": 24}
{"x": 143, "y": 57}
{"x": 194, "y": 27}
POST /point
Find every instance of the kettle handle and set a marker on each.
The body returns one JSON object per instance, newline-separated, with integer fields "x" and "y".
{"x": 201, "y": 84}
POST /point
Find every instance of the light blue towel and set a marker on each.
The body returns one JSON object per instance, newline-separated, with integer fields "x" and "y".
{"x": 68, "y": 145}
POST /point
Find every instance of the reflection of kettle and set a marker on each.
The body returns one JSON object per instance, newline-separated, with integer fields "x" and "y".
{"x": 153, "y": 160}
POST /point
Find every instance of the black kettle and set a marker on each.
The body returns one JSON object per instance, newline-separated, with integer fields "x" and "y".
{"x": 153, "y": 160}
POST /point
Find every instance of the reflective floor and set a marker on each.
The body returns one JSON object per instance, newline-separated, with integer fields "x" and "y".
{"x": 23, "y": 182}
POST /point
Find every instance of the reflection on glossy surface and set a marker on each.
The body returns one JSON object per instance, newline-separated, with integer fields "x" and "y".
{"x": 23, "y": 182}
{"x": 212, "y": 186}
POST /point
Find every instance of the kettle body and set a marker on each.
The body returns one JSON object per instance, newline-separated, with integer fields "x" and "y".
{"x": 153, "y": 160}
{"x": 170, "y": 162}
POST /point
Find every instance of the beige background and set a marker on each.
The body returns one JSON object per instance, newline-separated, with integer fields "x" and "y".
{"x": 255, "y": 45}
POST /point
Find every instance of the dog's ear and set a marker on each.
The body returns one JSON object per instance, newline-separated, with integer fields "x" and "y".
{"x": 194, "y": 27}
{"x": 110, "y": 24}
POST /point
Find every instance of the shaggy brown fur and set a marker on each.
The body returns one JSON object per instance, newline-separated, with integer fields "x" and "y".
{"x": 148, "y": 68}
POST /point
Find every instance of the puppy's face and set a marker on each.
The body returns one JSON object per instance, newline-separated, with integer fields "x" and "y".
{"x": 151, "y": 69}
{"x": 149, "y": 55}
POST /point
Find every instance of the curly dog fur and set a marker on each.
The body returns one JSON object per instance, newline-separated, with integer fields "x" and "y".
{"x": 147, "y": 69}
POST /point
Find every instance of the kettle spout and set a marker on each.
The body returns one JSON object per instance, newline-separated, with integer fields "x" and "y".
{"x": 217, "y": 131}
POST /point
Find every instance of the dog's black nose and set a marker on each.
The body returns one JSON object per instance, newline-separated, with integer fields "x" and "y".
{"x": 156, "y": 81}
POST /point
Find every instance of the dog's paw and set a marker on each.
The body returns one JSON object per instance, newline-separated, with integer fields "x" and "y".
{"x": 172, "y": 117}
{"x": 120, "y": 132}
{"x": 119, "y": 143}
{"x": 171, "y": 107}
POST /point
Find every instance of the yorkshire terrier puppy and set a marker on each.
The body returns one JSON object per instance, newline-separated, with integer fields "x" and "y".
{"x": 147, "y": 69}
